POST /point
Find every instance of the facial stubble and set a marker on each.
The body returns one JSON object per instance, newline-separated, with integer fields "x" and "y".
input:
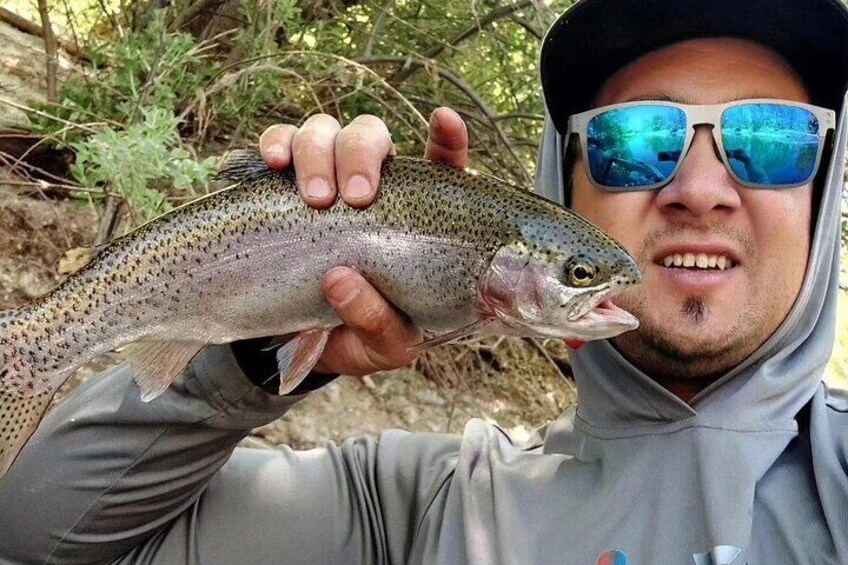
{"x": 660, "y": 352}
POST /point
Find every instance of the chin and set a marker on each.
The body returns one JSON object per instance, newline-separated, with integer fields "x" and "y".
{"x": 683, "y": 349}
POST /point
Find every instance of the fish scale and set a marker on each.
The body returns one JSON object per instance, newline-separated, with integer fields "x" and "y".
{"x": 451, "y": 249}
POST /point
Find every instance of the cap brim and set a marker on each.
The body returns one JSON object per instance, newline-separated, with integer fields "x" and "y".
{"x": 595, "y": 38}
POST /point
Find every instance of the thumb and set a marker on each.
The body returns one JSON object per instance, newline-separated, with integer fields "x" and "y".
{"x": 448, "y": 139}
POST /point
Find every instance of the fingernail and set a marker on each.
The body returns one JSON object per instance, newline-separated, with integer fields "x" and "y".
{"x": 267, "y": 132}
{"x": 276, "y": 150}
{"x": 317, "y": 188}
{"x": 341, "y": 288}
{"x": 358, "y": 188}
{"x": 433, "y": 116}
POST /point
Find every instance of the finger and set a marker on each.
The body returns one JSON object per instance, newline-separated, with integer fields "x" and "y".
{"x": 448, "y": 139}
{"x": 361, "y": 148}
{"x": 275, "y": 145}
{"x": 375, "y": 337}
{"x": 313, "y": 154}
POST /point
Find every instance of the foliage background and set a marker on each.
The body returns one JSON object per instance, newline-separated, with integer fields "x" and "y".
{"x": 161, "y": 87}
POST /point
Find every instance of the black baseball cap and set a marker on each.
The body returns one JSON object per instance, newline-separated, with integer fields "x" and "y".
{"x": 595, "y": 38}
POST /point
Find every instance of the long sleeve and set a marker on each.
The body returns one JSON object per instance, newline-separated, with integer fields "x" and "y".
{"x": 110, "y": 479}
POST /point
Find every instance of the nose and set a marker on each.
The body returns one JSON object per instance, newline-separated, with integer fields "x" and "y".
{"x": 702, "y": 184}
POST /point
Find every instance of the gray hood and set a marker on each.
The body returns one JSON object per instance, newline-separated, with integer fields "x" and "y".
{"x": 773, "y": 384}
{"x": 754, "y": 465}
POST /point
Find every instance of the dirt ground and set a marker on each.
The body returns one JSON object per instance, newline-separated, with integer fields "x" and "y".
{"x": 515, "y": 383}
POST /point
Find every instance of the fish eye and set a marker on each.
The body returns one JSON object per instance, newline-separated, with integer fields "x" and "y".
{"x": 581, "y": 274}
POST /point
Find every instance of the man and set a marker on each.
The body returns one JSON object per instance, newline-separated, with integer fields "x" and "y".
{"x": 704, "y": 437}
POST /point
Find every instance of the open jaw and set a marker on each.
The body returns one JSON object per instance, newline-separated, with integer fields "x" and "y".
{"x": 600, "y": 318}
{"x": 607, "y": 314}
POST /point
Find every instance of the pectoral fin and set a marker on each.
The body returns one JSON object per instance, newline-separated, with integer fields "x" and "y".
{"x": 158, "y": 363}
{"x": 450, "y": 336}
{"x": 297, "y": 357}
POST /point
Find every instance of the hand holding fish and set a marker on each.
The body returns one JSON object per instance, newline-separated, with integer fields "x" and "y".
{"x": 456, "y": 252}
{"x": 375, "y": 335}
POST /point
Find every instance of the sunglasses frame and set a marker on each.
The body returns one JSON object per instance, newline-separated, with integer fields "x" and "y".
{"x": 696, "y": 115}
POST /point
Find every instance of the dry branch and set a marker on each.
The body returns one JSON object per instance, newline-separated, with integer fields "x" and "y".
{"x": 109, "y": 221}
{"x": 528, "y": 27}
{"x": 51, "y": 51}
{"x": 487, "y": 20}
{"x": 84, "y": 127}
{"x": 479, "y": 25}
{"x": 192, "y": 11}
{"x": 361, "y": 65}
{"x": 472, "y": 95}
{"x": 41, "y": 186}
{"x": 377, "y": 27}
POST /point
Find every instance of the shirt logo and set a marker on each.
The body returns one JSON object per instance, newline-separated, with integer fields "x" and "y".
{"x": 613, "y": 557}
{"x": 719, "y": 555}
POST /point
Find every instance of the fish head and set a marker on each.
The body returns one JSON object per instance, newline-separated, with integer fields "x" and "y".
{"x": 557, "y": 282}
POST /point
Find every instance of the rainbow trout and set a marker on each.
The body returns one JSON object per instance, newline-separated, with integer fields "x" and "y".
{"x": 458, "y": 253}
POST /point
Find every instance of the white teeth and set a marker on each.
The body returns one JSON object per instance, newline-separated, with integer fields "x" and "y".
{"x": 699, "y": 260}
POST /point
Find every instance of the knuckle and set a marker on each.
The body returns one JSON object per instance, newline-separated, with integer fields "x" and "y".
{"x": 356, "y": 140}
{"x": 374, "y": 322}
{"x": 389, "y": 355}
{"x": 377, "y": 361}
{"x": 365, "y": 130}
{"x": 322, "y": 122}
{"x": 369, "y": 121}
{"x": 308, "y": 145}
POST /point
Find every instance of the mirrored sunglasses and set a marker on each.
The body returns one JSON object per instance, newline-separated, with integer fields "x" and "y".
{"x": 763, "y": 143}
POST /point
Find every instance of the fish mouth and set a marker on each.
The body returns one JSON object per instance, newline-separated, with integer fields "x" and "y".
{"x": 600, "y": 310}
{"x": 579, "y": 306}
{"x": 605, "y": 313}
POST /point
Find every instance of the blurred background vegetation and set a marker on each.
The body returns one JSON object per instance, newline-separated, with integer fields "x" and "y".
{"x": 156, "y": 89}
{"x": 159, "y": 86}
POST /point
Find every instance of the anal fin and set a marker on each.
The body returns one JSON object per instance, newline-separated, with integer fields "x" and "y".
{"x": 19, "y": 418}
{"x": 297, "y": 357}
{"x": 158, "y": 363}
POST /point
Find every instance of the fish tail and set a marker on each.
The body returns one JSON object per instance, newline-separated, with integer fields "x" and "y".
{"x": 21, "y": 410}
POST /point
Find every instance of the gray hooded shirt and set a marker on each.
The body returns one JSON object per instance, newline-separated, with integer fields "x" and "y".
{"x": 752, "y": 471}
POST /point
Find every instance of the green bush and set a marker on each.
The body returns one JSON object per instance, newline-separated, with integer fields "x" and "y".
{"x": 134, "y": 160}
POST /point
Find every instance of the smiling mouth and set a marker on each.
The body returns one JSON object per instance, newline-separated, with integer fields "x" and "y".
{"x": 698, "y": 261}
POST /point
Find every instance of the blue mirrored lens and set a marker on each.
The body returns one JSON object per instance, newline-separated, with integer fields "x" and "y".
{"x": 771, "y": 144}
{"x": 636, "y": 146}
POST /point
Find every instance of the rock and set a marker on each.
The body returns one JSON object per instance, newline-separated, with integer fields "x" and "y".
{"x": 23, "y": 74}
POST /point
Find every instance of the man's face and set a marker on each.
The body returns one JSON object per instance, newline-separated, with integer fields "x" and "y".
{"x": 697, "y": 324}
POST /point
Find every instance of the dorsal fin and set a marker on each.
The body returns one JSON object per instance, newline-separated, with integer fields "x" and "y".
{"x": 241, "y": 164}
